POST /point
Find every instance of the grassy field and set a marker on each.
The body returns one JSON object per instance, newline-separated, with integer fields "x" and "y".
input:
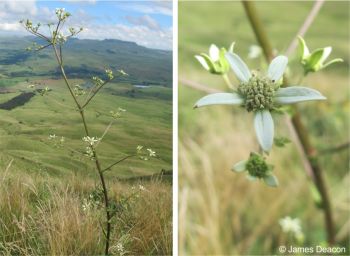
{"x": 51, "y": 202}
{"x": 221, "y": 212}
{"x": 25, "y": 130}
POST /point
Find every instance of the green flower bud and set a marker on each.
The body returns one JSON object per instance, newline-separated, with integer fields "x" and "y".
{"x": 256, "y": 166}
{"x": 314, "y": 61}
{"x": 215, "y": 62}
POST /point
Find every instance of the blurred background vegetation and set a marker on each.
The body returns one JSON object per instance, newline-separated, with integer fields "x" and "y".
{"x": 221, "y": 212}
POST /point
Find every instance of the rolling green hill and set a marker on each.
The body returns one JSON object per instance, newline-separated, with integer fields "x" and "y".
{"x": 85, "y": 58}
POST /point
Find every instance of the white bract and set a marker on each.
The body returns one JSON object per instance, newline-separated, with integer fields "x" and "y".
{"x": 151, "y": 152}
{"x": 52, "y": 136}
{"x": 260, "y": 94}
{"x": 91, "y": 140}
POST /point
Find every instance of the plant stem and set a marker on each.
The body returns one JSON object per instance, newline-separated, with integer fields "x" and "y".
{"x": 298, "y": 125}
{"x": 227, "y": 81}
{"x": 95, "y": 155}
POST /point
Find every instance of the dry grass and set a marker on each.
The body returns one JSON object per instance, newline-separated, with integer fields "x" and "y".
{"x": 46, "y": 216}
{"x": 223, "y": 213}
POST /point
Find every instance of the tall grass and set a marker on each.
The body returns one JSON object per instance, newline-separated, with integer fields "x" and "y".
{"x": 222, "y": 212}
{"x": 42, "y": 215}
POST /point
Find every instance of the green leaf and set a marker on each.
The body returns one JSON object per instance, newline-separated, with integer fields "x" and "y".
{"x": 281, "y": 141}
{"x": 313, "y": 62}
{"x": 225, "y": 66}
{"x": 271, "y": 180}
{"x": 332, "y": 62}
{"x": 232, "y": 46}
{"x": 303, "y": 51}
{"x": 209, "y": 62}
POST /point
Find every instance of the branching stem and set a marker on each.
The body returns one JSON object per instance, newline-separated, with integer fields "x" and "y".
{"x": 107, "y": 232}
{"x": 298, "y": 125}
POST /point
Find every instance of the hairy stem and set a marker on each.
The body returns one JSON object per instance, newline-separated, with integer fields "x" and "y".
{"x": 298, "y": 125}
{"x": 58, "y": 55}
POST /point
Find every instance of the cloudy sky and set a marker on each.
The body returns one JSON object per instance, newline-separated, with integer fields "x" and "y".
{"x": 148, "y": 23}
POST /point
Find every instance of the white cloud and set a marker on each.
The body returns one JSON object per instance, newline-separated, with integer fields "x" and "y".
{"x": 150, "y": 7}
{"x": 10, "y": 7}
{"x": 80, "y": 1}
{"x": 10, "y": 26}
{"x": 144, "y": 20}
{"x": 142, "y": 35}
{"x": 144, "y": 30}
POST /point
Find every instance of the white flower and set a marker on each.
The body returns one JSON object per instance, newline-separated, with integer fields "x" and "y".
{"x": 254, "y": 51}
{"x": 91, "y": 140}
{"x": 142, "y": 188}
{"x": 59, "y": 10}
{"x": 120, "y": 247}
{"x": 139, "y": 148}
{"x": 151, "y": 152}
{"x": 52, "y": 136}
{"x": 292, "y": 226}
{"x": 261, "y": 94}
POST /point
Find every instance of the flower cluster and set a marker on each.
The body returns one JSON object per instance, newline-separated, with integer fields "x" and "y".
{"x": 292, "y": 226}
{"x": 78, "y": 90}
{"x": 109, "y": 74}
{"x": 62, "y": 14}
{"x": 257, "y": 168}
{"x": 93, "y": 201}
{"x": 97, "y": 81}
{"x": 57, "y": 141}
{"x": 117, "y": 114}
{"x": 145, "y": 154}
{"x": 258, "y": 93}
{"x": 91, "y": 140}
{"x": 44, "y": 91}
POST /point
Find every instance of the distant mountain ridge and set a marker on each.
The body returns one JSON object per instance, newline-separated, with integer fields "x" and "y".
{"x": 87, "y": 57}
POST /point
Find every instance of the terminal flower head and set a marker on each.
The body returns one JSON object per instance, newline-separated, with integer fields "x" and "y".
{"x": 91, "y": 140}
{"x": 260, "y": 94}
